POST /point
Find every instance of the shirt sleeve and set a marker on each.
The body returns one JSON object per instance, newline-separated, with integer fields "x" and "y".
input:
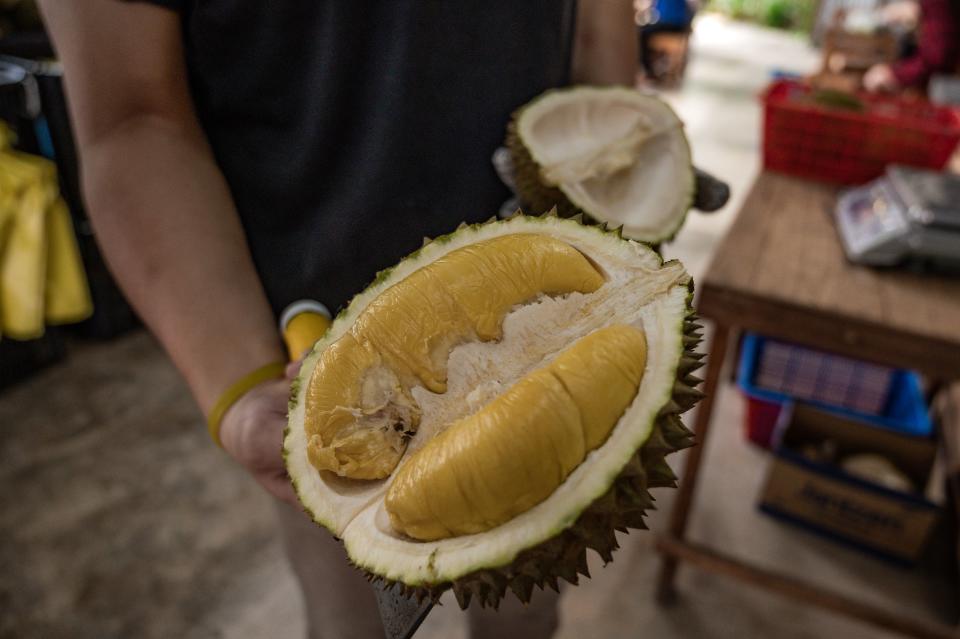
{"x": 936, "y": 45}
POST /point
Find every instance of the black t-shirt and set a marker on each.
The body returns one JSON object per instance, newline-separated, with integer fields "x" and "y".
{"x": 349, "y": 129}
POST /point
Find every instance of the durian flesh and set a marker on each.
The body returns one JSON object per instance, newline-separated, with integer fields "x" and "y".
{"x": 359, "y": 408}
{"x": 639, "y": 294}
{"x": 501, "y": 461}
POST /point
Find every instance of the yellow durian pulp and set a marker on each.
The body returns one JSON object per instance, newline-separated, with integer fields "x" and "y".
{"x": 359, "y": 410}
{"x": 491, "y": 466}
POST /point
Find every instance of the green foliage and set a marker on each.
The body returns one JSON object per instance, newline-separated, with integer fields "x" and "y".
{"x": 780, "y": 14}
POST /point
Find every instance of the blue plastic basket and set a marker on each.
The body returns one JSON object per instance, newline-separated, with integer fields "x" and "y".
{"x": 905, "y": 410}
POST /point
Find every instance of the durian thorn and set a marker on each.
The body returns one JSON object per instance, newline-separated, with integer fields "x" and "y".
{"x": 689, "y": 364}
{"x": 522, "y": 587}
{"x": 463, "y": 597}
{"x": 685, "y": 393}
{"x": 671, "y": 408}
{"x": 692, "y": 380}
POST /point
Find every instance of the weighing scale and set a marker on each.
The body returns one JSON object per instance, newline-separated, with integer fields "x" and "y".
{"x": 907, "y": 217}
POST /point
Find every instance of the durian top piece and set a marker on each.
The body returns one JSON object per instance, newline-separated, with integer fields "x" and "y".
{"x": 615, "y": 154}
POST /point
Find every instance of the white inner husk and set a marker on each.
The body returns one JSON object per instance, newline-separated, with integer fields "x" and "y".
{"x": 617, "y": 154}
{"x": 639, "y": 291}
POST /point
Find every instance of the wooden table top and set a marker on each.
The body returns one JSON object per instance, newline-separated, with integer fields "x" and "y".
{"x": 781, "y": 271}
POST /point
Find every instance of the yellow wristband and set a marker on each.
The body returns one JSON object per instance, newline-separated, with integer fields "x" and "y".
{"x": 273, "y": 370}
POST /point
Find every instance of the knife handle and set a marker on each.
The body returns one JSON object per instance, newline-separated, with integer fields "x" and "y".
{"x": 302, "y": 324}
{"x": 711, "y": 194}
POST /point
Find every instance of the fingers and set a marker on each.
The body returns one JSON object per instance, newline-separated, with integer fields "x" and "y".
{"x": 252, "y": 430}
{"x": 252, "y": 433}
{"x": 293, "y": 369}
{"x": 279, "y": 486}
{"x": 275, "y": 398}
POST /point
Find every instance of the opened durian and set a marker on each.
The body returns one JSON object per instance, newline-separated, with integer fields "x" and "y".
{"x": 617, "y": 155}
{"x": 495, "y": 405}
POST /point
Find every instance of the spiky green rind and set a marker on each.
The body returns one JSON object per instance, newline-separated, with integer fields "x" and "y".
{"x": 294, "y": 394}
{"x": 622, "y": 508}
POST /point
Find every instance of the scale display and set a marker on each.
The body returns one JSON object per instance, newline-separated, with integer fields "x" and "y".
{"x": 906, "y": 216}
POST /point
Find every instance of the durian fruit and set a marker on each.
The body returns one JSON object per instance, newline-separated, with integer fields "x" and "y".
{"x": 495, "y": 405}
{"x": 614, "y": 154}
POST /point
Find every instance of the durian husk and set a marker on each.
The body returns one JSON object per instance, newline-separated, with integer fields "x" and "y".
{"x": 622, "y": 508}
{"x": 538, "y": 198}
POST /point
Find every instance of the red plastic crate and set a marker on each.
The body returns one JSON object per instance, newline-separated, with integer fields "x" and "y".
{"x": 807, "y": 139}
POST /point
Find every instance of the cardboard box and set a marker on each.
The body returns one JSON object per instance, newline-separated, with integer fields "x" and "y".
{"x": 823, "y": 497}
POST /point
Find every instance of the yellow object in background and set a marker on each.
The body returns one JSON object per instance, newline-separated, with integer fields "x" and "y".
{"x": 67, "y": 297}
{"x": 41, "y": 274}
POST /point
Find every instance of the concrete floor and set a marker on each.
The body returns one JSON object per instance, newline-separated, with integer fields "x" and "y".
{"x": 119, "y": 519}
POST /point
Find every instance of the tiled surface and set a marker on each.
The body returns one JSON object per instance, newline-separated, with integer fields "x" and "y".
{"x": 119, "y": 519}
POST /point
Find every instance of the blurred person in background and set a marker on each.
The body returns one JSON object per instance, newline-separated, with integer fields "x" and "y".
{"x": 654, "y": 17}
{"x": 237, "y": 156}
{"x": 936, "y": 49}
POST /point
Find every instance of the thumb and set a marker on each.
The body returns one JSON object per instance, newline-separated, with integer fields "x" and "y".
{"x": 292, "y": 369}
{"x": 279, "y": 486}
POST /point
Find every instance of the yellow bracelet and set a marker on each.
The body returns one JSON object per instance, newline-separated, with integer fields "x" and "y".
{"x": 273, "y": 370}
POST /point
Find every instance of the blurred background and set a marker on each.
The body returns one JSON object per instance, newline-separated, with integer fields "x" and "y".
{"x": 119, "y": 519}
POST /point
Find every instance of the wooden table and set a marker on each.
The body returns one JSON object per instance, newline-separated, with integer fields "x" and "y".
{"x": 781, "y": 272}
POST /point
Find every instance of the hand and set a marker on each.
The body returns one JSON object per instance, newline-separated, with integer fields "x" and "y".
{"x": 880, "y": 78}
{"x": 905, "y": 13}
{"x": 252, "y": 433}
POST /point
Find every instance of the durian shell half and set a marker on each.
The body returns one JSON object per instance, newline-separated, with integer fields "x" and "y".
{"x": 537, "y": 196}
{"x": 619, "y": 506}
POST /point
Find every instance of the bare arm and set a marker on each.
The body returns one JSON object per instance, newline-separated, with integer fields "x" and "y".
{"x": 160, "y": 207}
{"x": 605, "y": 43}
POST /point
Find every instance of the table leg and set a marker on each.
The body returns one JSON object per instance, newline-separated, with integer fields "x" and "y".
{"x": 934, "y": 386}
{"x": 735, "y": 336}
{"x": 681, "y": 509}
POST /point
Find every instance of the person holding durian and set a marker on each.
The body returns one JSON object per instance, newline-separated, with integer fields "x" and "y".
{"x": 238, "y": 156}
